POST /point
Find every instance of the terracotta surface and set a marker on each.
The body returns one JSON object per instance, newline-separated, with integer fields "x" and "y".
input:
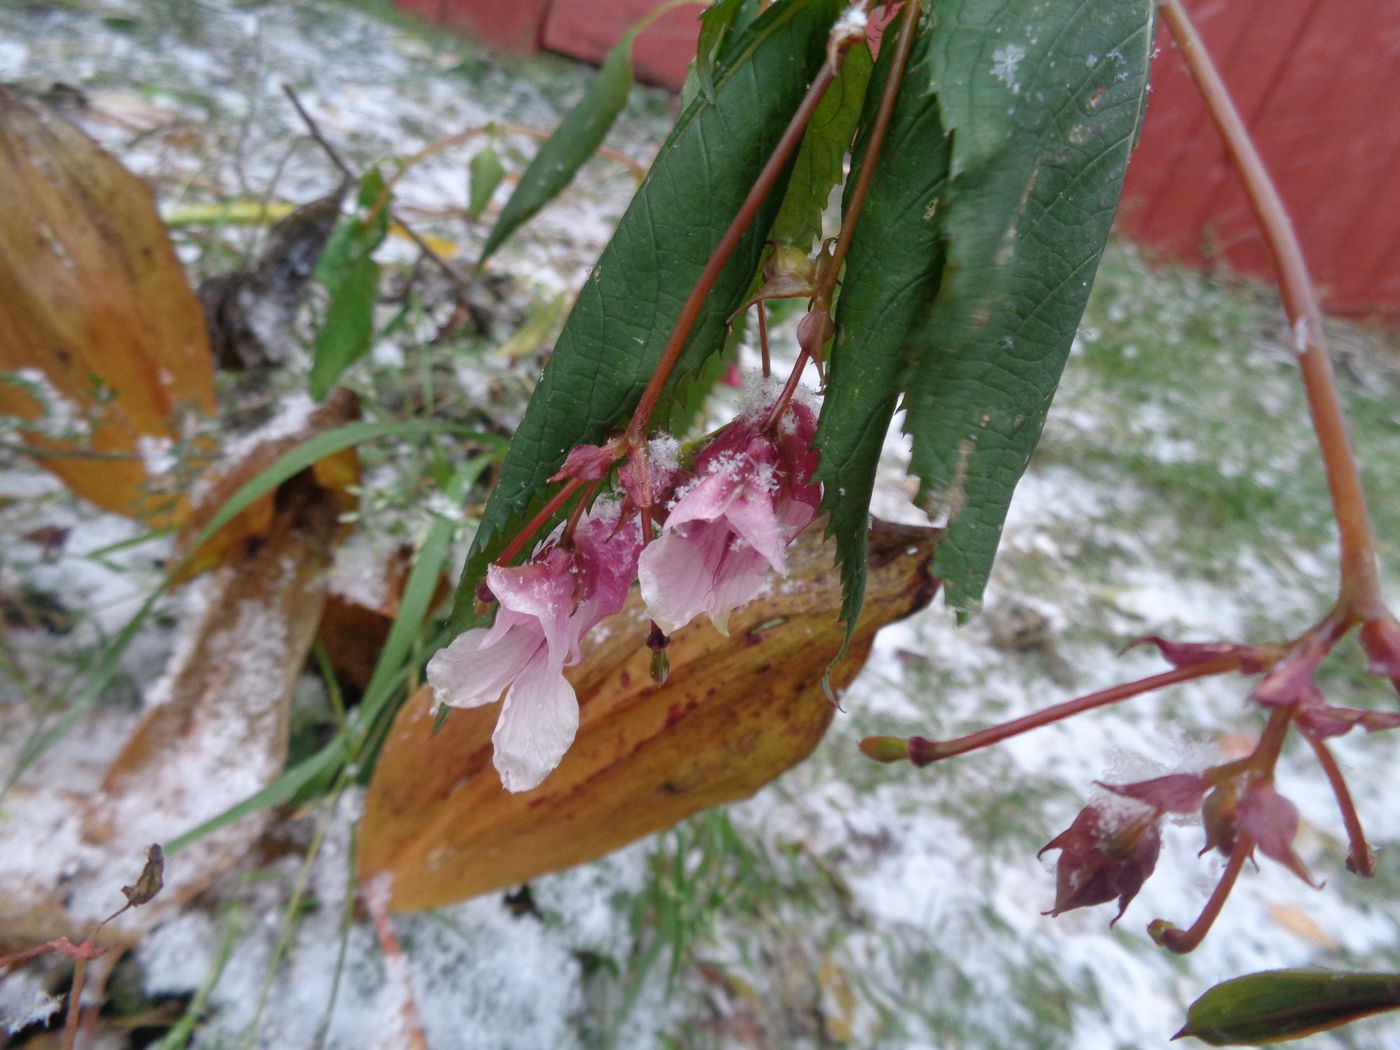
{"x": 1314, "y": 80}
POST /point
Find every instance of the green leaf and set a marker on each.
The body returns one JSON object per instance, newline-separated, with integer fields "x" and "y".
{"x": 633, "y": 297}
{"x": 1277, "y": 1005}
{"x": 485, "y": 173}
{"x": 716, "y": 23}
{"x": 350, "y": 275}
{"x": 892, "y": 273}
{"x": 575, "y": 140}
{"x": 820, "y": 158}
{"x": 1043, "y": 99}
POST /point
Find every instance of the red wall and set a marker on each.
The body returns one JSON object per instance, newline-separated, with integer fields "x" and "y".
{"x": 1317, "y": 81}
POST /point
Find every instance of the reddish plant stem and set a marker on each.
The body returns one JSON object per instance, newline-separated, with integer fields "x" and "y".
{"x": 903, "y": 46}
{"x": 538, "y": 521}
{"x": 923, "y": 751}
{"x": 566, "y": 538}
{"x": 1361, "y": 859}
{"x": 1183, "y": 941}
{"x": 821, "y": 303}
{"x": 1360, "y": 593}
{"x": 1270, "y": 745}
{"x": 743, "y": 219}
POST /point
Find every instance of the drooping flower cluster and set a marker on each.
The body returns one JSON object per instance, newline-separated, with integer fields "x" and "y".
{"x": 723, "y": 526}
{"x": 750, "y": 497}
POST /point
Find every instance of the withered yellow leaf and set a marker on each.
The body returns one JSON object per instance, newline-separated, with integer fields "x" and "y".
{"x": 216, "y": 729}
{"x": 734, "y": 713}
{"x": 101, "y": 338}
{"x": 335, "y": 474}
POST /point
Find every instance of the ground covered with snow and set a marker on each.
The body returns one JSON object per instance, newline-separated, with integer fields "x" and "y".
{"x": 1176, "y": 491}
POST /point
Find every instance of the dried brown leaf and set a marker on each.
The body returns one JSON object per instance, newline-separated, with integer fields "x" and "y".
{"x": 93, "y": 299}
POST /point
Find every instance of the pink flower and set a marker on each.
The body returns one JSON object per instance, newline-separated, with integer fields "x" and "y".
{"x": 751, "y": 496}
{"x": 547, "y": 606}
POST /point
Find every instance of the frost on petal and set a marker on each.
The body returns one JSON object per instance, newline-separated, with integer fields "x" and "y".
{"x": 1272, "y": 822}
{"x": 476, "y": 668}
{"x": 538, "y": 723}
{"x": 752, "y": 518}
{"x": 1174, "y": 793}
{"x": 707, "y": 500}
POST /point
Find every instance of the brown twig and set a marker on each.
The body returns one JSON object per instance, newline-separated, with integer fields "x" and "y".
{"x": 376, "y": 898}
{"x": 423, "y": 246}
{"x": 1360, "y": 594}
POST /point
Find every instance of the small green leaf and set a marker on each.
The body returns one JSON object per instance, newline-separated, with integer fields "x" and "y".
{"x": 575, "y": 140}
{"x": 892, "y": 273}
{"x": 716, "y": 23}
{"x": 1277, "y": 1005}
{"x": 350, "y": 275}
{"x": 818, "y": 165}
{"x": 1043, "y": 99}
{"x": 633, "y": 297}
{"x": 485, "y": 173}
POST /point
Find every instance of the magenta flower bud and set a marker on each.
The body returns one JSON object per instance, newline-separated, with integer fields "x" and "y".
{"x": 1108, "y": 852}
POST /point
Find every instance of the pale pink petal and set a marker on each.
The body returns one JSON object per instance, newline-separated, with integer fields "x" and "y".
{"x": 538, "y": 723}
{"x": 742, "y": 575}
{"x": 677, "y": 573}
{"x": 476, "y": 668}
{"x": 708, "y": 500}
{"x": 542, "y": 590}
{"x": 753, "y": 519}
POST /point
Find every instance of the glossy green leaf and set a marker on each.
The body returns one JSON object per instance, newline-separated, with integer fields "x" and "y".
{"x": 575, "y": 140}
{"x": 1277, "y": 1005}
{"x": 892, "y": 273}
{"x": 485, "y": 173}
{"x": 350, "y": 275}
{"x": 1043, "y": 99}
{"x": 818, "y": 165}
{"x": 633, "y": 297}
